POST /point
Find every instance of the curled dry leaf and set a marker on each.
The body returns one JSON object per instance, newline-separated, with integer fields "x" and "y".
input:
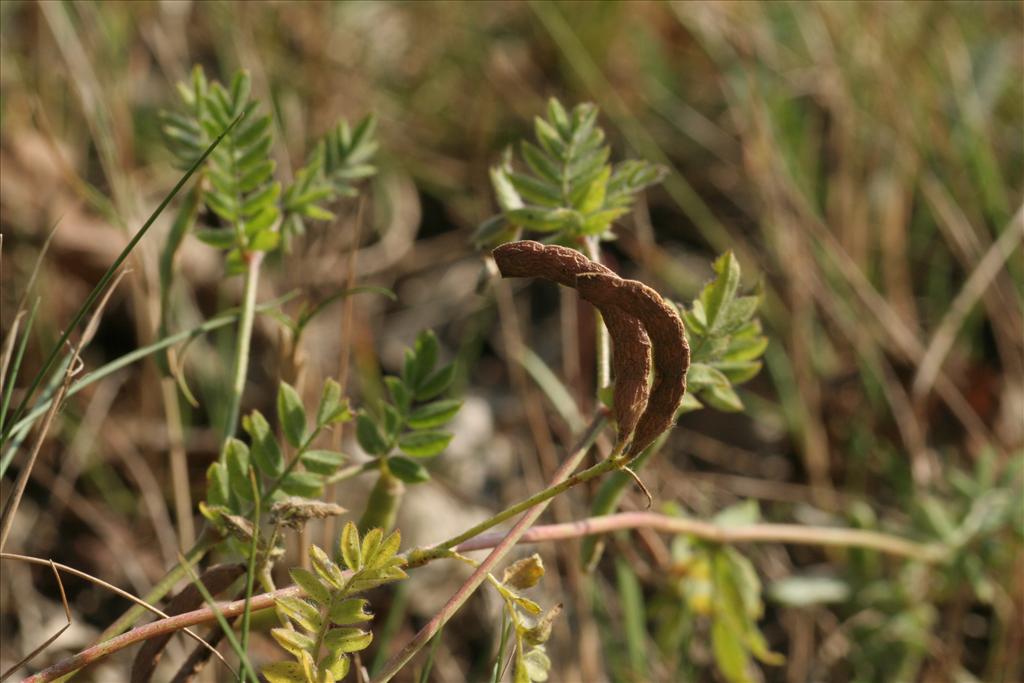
{"x": 631, "y": 358}
{"x": 294, "y": 511}
{"x": 670, "y": 350}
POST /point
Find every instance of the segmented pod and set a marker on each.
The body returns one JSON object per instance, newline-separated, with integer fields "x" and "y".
{"x": 631, "y": 347}
{"x": 670, "y": 350}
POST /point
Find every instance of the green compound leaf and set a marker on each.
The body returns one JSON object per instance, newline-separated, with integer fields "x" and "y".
{"x": 303, "y": 484}
{"x": 568, "y": 188}
{"x": 265, "y": 452}
{"x": 350, "y": 548}
{"x": 385, "y": 552}
{"x": 293, "y": 641}
{"x": 291, "y": 414}
{"x": 344, "y": 611}
{"x": 408, "y": 471}
{"x": 236, "y": 458}
{"x": 310, "y": 583}
{"x": 434, "y": 414}
{"x": 347, "y": 640}
{"x": 436, "y": 384}
{"x": 326, "y": 569}
{"x": 369, "y": 437}
{"x": 217, "y": 491}
{"x": 424, "y": 444}
{"x": 323, "y": 462}
{"x": 301, "y": 612}
{"x": 420, "y": 359}
{"x": 284, "y": 672}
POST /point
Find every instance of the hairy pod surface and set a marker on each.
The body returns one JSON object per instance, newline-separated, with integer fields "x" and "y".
{"x": 670, "y": 350}
{"x": 631, "y": 352}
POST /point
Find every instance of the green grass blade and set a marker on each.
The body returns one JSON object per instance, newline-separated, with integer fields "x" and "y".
{"x": 229, "y": 632}
{"x": 553, "y": 388}
{"x": 633, "y": 618}
{"x": 16, "y": 363}
{"x": 22, "y": 426}
{"x": 98, "y": 290}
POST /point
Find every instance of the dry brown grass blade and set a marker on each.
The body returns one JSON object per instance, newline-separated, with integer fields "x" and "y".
{"x": 11, "y": 506}
{"x": 112, "y": 588}
{"x": 67, "y": 613}
{"x": 669, "y": 347}
{"x": 5, "y": 356}
{"x": 631, "y": 359}
{"x": 985, "y": 272}
{"x": 74, "y": 367}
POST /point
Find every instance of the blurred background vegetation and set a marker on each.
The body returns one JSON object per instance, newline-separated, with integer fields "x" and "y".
{"x": 865, "y": 161}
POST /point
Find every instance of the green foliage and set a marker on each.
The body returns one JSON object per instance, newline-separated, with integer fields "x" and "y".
{"x": 530, "y": 625}
{"x": 410, "y": 419}
{"x": 725, "y": 340}
{"x": 322, "y": 627}
{"x": 240, "y": 188}
{"x": 721, "y": 585}
{"x": 304, "y": 474}
{"x": 339, "y": 160}
{"x": 977, "y": 517}
{"x": 569, "y": 190}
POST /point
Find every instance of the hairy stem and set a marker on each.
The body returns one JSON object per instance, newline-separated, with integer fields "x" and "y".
{"x": 395, "y": 664}
{"x": 562, "y": 484}
{"x": 207, "y": 540}
{"x": 382, "y": 506}
{"x": 708, "y": 531}
{"x": 240, "y": 367}
{"x": 602, "y": 345}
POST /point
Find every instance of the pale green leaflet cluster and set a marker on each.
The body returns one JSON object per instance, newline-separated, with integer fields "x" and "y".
{"x": 321, "y": 629}
{"x": 569, "y": 190}
{"x": 241, "y": 190}
{"x": 725, "y": 340}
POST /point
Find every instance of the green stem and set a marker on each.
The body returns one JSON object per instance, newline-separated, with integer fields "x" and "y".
{"x": 418, "y": 557}
{"x": 240, "y": 369}
{"x": 382, "y": 506}
{"x": 607, "y": 498}
{"x": 502, "y": 549}
{"x": 250, "y": 574}
{"x": 602, "y": 345}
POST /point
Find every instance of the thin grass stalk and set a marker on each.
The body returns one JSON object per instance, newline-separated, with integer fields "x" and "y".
{"x": 101, "y": 286}
{"x": 229, "y": 633}
{"x": 533, "y": 511}
{"x": 15, "y": 362}
{"x": 250, "y": 573}
{"x": 243, "y": 340}
{"x": 110, "y": 368}
{"x": 707, "y": 531}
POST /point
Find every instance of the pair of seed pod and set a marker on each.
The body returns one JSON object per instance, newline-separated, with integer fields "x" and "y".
{"x": 640, "y": 323}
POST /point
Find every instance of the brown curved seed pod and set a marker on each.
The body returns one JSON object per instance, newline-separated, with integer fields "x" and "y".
{"x": 631, "y": 357}
{"x": 668, "y": 338}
